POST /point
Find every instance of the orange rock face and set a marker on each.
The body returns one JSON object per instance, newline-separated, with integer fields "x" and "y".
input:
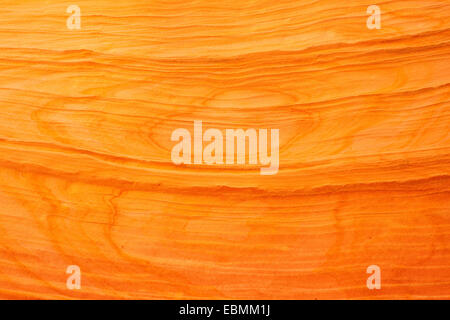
{"x": 87, "y": 179}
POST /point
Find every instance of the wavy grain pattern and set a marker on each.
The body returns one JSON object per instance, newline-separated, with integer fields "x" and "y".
{"x": 86, "y": 176}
